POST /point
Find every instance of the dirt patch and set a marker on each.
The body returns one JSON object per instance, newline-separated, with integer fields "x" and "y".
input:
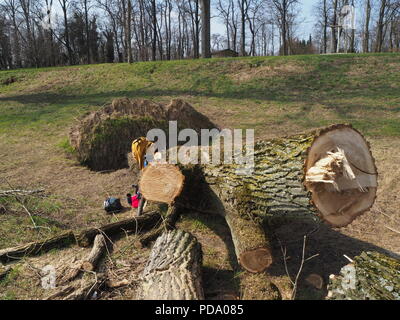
{"x": 103, "y": 138}
{"x": 9, "y": 81}
{"x": 250, "y": 73}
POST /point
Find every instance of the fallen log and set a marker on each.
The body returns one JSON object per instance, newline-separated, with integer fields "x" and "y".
{"x": 35, "y": 248}
{"x": 84, "y": 238}
{"x": 136, "y": 224}
{"x": 372, "y": 276}
{"x": 173, "y": 271}
{"x": 87, "y": 264}
{"x": 99, "y": 248}
{"x": 327, "y": 173}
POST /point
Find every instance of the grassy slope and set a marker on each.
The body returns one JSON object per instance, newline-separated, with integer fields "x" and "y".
{"x": 300, "y": 91}
{"x": 274, "y": 95}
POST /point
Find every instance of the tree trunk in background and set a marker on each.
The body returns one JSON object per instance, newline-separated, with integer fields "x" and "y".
{"x": 86, "y": 11}
{"x": 129, "y": 31}
{"x": 243, "y": 29}
{"x": 372, "y": 276}
{"x": 380, "y": 26}
{"x": 284, "y": 32}
{"x": 334, "y": 26}
{"x": 197, "y": 32}
{"x": 366, "y": 26}
{"x": 154, "y": 16}
{"x": 173, "y": 271}
{"x": 206, "y": 32}
{"x": 325, "y": 35}
{"x": 63, "y": 4}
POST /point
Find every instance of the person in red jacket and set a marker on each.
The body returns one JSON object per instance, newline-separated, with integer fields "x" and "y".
{"x": 135, "y": 199}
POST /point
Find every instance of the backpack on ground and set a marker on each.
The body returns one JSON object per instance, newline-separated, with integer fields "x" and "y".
{"x": 112, "y": 205}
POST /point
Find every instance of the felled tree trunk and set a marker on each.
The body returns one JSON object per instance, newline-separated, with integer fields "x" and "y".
{"x": 372, "y": 276}
{"x": 327, "y": 173}
{"x": 137, "y": 224}
{"x": 173, "y": 271}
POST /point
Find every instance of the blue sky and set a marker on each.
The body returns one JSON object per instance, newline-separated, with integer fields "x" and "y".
{"x": 306, "y": 7}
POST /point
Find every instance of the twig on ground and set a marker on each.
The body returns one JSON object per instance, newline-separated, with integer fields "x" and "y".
{"x": 303, "y": 260}
{"x": 391, "y": 229}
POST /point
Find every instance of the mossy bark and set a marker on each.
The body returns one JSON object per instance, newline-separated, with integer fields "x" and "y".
{"x": 275, "y": 188}
{"x": 372, "y": 276}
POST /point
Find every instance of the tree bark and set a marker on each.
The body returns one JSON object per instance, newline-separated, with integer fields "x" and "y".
{"x": 372, "y": 276}
{"x": 137, "y": 224}
{"x": 366, "y": 26}
{"x": 173, "y": 271}
{"x": 327, "y": 173}
{"x": 380, "y": 26}
{"x": 205, "y": 33}
{"x": 99, "y": 247}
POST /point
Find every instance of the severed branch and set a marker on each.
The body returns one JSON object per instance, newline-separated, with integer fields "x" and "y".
{"x": 90, "y": 263}
{"x": 18, "y": 192}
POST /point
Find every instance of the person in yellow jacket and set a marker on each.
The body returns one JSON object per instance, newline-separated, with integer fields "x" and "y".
{"x": 139, "y": 149}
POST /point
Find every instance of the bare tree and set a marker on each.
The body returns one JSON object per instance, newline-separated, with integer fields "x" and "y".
{"x": 366, "y": 26}
{"x": 206, "y": 31}
{"x": 284, "y": 14}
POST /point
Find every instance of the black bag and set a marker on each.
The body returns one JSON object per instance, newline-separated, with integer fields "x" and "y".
{"x": 112, "y": 205}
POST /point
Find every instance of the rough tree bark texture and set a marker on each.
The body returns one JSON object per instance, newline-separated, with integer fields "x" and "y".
{"x": 372, "y": 276}
{"x": 278, "y": 186}
{"x": 173, "y": 271}
{"x": 327, "y": 173}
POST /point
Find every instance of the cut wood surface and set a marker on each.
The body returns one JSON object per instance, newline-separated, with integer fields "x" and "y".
{"x": 372, "y": 276}
{"x": 161, "y": 183}
{"x": 173, "y": 271}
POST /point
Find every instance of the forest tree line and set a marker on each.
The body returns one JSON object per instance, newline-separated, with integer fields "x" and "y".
{"x": 41, "y": 33}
